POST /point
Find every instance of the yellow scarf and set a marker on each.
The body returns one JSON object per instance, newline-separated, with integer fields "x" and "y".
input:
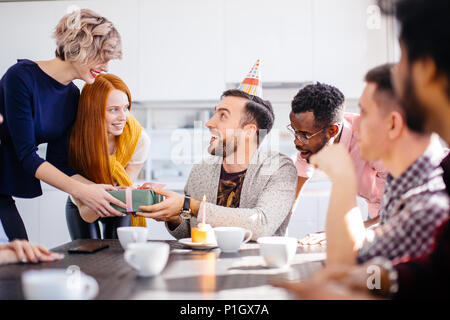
{"x": 126, "y": 145}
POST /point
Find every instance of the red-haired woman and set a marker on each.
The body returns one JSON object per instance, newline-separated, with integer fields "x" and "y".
{"x": 108, "y": 146}
{"x": 39, "y": 103}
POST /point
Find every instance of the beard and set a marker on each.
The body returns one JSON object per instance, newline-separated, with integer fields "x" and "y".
{"x": 323, "y": 142}
{"x": 223, "y": 148}
{"x": 415, "y": 114}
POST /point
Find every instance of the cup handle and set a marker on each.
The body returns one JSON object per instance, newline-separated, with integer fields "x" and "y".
{"x": 247, "y": 239}
{"x": 129, "y": 257}
{"x": 91, "y": 288}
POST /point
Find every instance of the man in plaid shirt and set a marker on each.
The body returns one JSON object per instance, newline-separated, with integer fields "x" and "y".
{"x": 413, "y": 205}
{"x": 422, "y": 82}
{"x": 414, "y": 201}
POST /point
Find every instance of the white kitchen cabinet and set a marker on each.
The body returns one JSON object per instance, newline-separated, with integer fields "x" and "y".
{"x": 311, "y": 211}
{"x": 277, "y": 32}
{"x": 44, "y": 217}
{"x": 346, "y": 44}
{"x": 329, "y": 41}
{"x": 53, "y": 229}
{"x": 305, "y": 218}
{"x": 30, "y": 213}
{"x": 181, "y": 49}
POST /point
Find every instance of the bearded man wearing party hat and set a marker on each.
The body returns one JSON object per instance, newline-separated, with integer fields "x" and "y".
{"x": 245, "y": 186}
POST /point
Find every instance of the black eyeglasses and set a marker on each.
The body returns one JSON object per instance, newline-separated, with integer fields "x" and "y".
{"x": 301, "y": 136}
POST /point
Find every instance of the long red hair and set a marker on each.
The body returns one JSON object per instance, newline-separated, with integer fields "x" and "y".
{"x": 88, "y": 145}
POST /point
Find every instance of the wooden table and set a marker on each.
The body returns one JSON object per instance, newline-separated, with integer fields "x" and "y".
{"x": 188, "y": 275}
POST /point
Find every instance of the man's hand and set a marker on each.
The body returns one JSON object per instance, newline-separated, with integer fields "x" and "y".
{"x": 313, "y": 239}
{"x": 335, "y": 161}
{"x": 24, "y": 251}
{"x": 330, "y": 291}
{"x": 332, "y": 282}
{"x": 168, "y": 210}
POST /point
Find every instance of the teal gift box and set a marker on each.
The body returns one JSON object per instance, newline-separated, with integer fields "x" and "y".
{"x": 141, "y": 197}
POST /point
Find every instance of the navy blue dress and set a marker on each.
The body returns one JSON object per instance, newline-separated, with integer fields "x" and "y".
{"x": 36, "y": 109}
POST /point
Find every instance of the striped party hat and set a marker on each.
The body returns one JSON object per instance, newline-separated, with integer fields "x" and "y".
{"x": 252, "y": 83}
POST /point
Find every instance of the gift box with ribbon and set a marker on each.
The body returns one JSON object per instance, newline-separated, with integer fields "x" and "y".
{"x": 134, "y": 197}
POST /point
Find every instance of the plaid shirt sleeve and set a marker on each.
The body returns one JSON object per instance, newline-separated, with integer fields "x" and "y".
{"x": 409, "y": 232}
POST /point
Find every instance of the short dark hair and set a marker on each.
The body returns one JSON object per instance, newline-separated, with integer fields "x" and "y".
{"x": 424, "y": 30}
{"x": 384, "y": 94}
{"x": 325, "y": 101}
{"x": 381, "y": 76}
{"x": 256, "y": 111}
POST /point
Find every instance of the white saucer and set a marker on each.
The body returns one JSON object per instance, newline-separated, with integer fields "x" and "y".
{"x": 195, "y": 245}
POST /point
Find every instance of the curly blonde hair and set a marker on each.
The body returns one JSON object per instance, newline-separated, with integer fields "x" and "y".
{"x": 84, "y": 36}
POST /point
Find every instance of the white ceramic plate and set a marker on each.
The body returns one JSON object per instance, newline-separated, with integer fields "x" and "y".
{"x": 195, "y": 245}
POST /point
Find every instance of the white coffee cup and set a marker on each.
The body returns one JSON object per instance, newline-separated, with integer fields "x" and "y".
{"x": 129, "y": 235}
{"x": 149, "y": 259}
{"x": 229, "y": 239}
{"x": 58, "y": 284}
{"x": 277, "y": 251}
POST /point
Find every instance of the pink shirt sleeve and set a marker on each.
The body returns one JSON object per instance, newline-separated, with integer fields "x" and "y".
{"x": 304, "y": 169}
{"x": 371, "y": 175}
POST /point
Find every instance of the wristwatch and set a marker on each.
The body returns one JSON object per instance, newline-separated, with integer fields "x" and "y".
{"x": 185, "y": 212}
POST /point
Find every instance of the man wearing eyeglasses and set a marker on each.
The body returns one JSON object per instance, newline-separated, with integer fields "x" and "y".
{"x": 317, "y": 119}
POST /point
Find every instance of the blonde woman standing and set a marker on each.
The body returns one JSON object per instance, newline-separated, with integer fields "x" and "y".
{"x": 39, "y": 103}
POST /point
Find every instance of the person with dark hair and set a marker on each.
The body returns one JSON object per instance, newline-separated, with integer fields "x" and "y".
{"x": 421, "y": 81}
{"x": 257, "y": 111}
{"x": 318, "y": 119}
{"x": 245, "y": 186}
{"x": 414, "y": 201}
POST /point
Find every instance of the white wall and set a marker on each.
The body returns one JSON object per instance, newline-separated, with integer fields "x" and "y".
{"x": 181, "y": 46}
{"x": 280, "y": 33}
{"x": 189, "y": 50}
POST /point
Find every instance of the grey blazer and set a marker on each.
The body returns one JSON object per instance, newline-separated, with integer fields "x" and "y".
{"x": 267, "y": 196}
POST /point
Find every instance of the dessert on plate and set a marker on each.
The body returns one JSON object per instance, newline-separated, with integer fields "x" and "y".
{"x": 203, "y": 233}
